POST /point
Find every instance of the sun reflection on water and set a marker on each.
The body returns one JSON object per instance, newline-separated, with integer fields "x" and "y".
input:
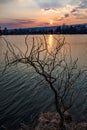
{"x": 50, "y": 42}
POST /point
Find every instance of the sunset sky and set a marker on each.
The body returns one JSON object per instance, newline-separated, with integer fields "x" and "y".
{"x": 33, "y": 13}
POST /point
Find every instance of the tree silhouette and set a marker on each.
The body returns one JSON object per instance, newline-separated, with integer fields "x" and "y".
{"x": 56, "y": 67}
{"x": 0, "y": 31}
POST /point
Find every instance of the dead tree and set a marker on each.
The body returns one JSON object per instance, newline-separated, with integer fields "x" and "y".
{"x": 55, "y": 66}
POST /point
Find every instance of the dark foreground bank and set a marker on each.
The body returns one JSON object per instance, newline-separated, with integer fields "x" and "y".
{"x": 50, "y": 121}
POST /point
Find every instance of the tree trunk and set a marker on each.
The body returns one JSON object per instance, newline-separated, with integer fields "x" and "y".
{"x": 61, "y": 123}
{"x": 58, "y": 108}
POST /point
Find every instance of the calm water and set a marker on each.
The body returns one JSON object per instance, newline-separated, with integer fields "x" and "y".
{"x": 22, "y": 98}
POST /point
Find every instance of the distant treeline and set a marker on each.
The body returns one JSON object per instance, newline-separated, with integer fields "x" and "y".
{"x": 64, "y": 29}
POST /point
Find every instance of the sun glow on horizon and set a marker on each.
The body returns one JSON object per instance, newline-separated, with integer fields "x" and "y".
{"x": 37, "y": 13}
{"x": 51, "y": 22}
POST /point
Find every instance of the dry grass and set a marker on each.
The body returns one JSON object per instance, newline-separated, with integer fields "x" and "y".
{"x": 50, "y": 121}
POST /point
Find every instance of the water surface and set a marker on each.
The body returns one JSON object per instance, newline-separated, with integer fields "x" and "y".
{"x": 23, "y": 94}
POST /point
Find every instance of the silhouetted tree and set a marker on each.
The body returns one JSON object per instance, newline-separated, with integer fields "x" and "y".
{"x": 55, "y": 66}
{"x": 5, "y": 31}
{"x": 0, "y": 31}
{"x": 58, "y": 30}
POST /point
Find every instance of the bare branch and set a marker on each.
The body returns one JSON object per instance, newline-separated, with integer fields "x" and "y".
{"x": 56, "y": 67}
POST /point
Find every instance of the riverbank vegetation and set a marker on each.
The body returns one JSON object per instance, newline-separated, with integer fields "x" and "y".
{"x": 63, "y": 29}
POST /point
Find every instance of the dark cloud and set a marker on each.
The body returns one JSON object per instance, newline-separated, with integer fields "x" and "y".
{"x": 75, "y": 14}
{"x": 80, "y": 16}
{"x": 74, "y": 10}
{"x": 63, "y": 17}
{"x": 23, "y": 21}
{"x": 9, "y": 25}
{"x": 17, "y": 23}
{"x": 47, "y": 9}
{"x": 50, "y": 10}
{"x": 66, "y": 15}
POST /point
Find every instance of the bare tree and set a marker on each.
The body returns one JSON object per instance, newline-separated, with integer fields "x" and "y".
{"x": 56, "y": 66}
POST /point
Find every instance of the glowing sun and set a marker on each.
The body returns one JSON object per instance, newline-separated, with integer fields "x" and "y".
{"x": 51, "y": 22}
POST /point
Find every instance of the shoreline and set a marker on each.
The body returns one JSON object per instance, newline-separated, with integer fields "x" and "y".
{"x": 49, "y": 121}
